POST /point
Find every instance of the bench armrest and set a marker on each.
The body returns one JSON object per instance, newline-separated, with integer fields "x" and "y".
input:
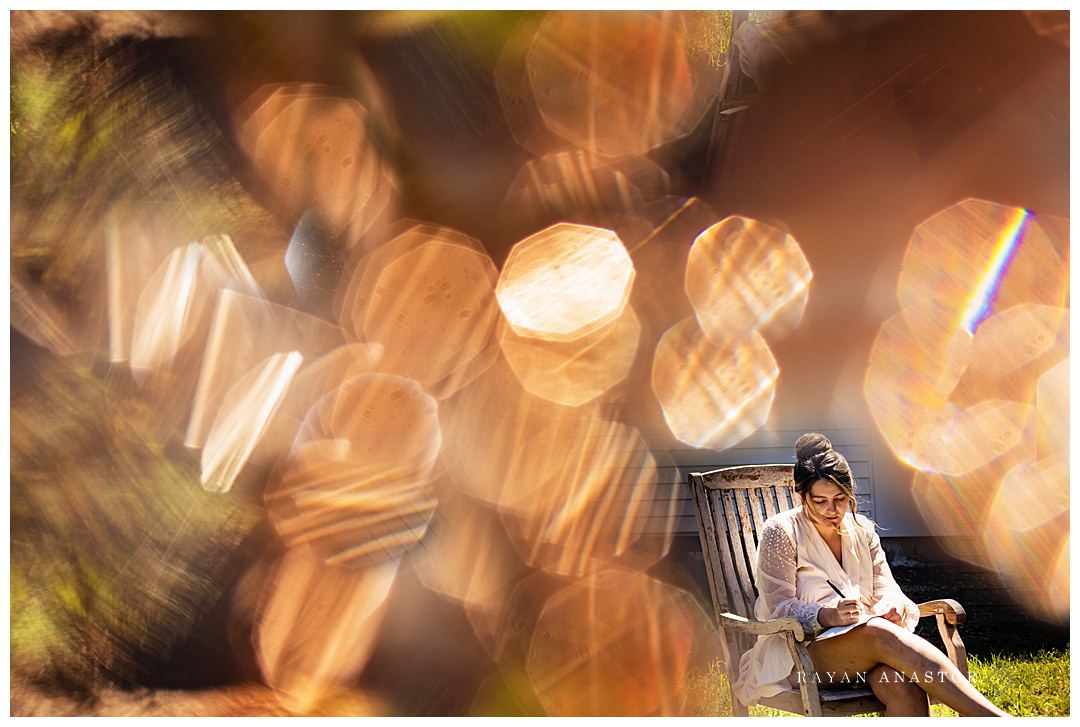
{"x": 952, "y": 611}
{"x": 772, "y": 626}
{"x": 949, "y": 615}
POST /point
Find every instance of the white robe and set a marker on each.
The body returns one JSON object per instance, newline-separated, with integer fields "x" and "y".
{"x": 793, "y": 562}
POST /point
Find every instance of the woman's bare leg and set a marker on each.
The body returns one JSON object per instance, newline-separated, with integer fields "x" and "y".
{"x": 901, "y": 697}
{"x": 881, "y": 642}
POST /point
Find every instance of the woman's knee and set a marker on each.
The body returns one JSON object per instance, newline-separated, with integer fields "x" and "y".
{"x": 882, "y": 635}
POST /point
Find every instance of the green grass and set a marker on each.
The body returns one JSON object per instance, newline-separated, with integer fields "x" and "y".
{"x": 1025, "y": 686}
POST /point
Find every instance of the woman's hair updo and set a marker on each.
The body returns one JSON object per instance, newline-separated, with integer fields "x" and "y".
{"x": 815, "y": 459}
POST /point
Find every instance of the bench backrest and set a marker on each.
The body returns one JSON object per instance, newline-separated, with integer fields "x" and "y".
{"x": 731, "y": 505}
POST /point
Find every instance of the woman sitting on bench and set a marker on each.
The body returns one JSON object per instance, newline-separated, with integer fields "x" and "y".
{"x": 822, "y": 565}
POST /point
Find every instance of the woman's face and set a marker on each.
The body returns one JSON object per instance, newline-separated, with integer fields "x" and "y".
{"x": 827, "y": 501}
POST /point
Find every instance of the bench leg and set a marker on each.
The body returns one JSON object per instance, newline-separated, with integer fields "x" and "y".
{"x": 738, "y": 709}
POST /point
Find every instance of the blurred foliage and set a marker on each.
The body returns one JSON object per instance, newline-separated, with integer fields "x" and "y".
{"x": 115, "y": 549}
{"x": 482, "y": 33}
{"x": 102, "y": 128}
{"x": 709, "y": 32}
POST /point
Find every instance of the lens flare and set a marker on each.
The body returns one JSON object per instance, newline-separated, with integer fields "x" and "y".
{"x": 975, "y": 259}
{"x": 957, "y": 507}
{"x": 964, "y": 440}
{"x": 611, "y": 84}
{"x": 171, "y": 308}
{"x": 311, "y": 383}
{"x": 742, "y": 276}
{"x": 979, "y": 306}
{"x": 966, "y": 384}
{"x": 134, "y": 249}
{"x": 173, "y": 322}
{"x": 907, "y": 389}
{"x": 660, "y": 257}
{"x": 713, "y": 397}
{"x": 1057, "y": 590}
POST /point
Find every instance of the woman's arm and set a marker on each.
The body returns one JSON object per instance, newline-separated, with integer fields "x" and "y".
{"x": 776, "y": 564}
{"x": 887, "y": 593}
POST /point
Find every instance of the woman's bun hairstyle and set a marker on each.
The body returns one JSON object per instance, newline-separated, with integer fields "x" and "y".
{"x": 810, "y": 445}
{"x": 815, "y": 459}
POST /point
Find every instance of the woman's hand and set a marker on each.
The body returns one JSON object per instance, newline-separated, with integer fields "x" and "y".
{"x": 892, "y": 615}
{"x": 846, "y": 612}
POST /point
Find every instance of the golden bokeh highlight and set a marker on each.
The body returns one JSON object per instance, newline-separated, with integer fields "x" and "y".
{"x": 356, "y": 487}
{"x": 1031, "y": 494}
{"x": 467, "y": 558}
{"x": 959, "y": 505}
{"x": 565, "y": 282}
{"x": 575, "y": 491}
{"x": 712, "y": 397}
{"x": 316, "y": 626}
{"x": 743, "y": 275}
{"x": 175, "y": 302}
{"x": 509, "y": 466}
{"x": 243, "y": 417}
{"x": 314, "y": 379}
{"x": 575, "y": 372}
{"x": 614, "y": 644}
{"x": 163, "y": 332}
{"x": 1052, "y": 411}
{"x": 1027, "y": 524}
{"x": 356, "y": 391}
{"x": 244, "y": 332}
{"x": 1014, "y": 338}
{"x": 960, "y": 441}
{"x": 569, "y": 183}
{"x": 612, "y": 84}
{"x": 599, "y": 507}
{"x": 428, "y": 298}
{"x": 907, "y": 388}
{"x": 312, "y": 149}
{"x": 134, "y": 250}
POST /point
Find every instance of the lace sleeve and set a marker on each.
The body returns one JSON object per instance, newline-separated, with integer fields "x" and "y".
{"x": 887, "y": 593}
{"x": 776, "y": 578}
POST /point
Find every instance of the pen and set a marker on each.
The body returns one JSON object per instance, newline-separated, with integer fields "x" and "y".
{"x": 833, "y": 586}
